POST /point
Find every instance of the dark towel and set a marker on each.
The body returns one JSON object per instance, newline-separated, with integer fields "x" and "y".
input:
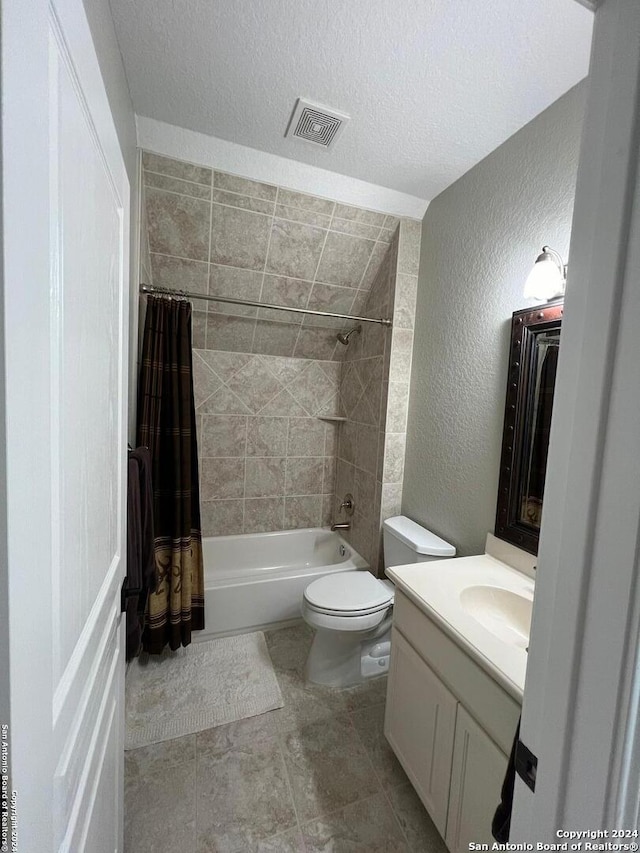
{"x": 501, "y": 824}
{"x": 133, "y": 580}
{"x": 143, "y": 458}
{"x": 141, "y": 566}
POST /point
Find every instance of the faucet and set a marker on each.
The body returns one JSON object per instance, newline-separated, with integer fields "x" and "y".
{"x": 342, "y": 525}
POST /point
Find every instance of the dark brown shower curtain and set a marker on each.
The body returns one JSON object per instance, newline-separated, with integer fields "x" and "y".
{"x": 167, "y": 426}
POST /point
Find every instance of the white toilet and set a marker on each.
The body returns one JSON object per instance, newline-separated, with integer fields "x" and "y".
{"x": 351, "y": 611}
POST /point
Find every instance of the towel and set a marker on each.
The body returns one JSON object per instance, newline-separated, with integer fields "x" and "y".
{"x": 141, "y": 565}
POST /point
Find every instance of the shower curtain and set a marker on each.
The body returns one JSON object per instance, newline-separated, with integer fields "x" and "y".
{"x": 167, "y": 426}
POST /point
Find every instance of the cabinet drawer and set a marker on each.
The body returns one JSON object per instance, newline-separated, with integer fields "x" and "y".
{"x": 494, "y": 709}
{"x": 419, "y": 724}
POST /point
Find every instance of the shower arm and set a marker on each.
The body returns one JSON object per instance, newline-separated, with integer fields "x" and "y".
{"x": 185, "y": 294}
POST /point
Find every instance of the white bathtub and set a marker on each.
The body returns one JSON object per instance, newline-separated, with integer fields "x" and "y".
{"x": 256, "y": 580}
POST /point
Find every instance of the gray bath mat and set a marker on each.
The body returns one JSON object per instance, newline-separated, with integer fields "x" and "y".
{"x": 198, "y": 687}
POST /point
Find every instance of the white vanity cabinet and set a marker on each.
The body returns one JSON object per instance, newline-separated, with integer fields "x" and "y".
{"x": 476, "y": 780}
{"x": 420, "y": 721}
{"x": 450, "y": 724}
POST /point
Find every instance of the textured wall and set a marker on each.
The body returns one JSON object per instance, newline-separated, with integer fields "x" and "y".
{"x": 479, "y": 240}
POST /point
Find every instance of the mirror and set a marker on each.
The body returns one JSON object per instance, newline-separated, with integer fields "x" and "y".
{"x": 533, "y": 359}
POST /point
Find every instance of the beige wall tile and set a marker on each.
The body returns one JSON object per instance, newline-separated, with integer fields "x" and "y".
{"x": 304, "y": 476}
{"x": 235, "y": 184}
{"x": 178, "y": 224}
{"x": 267, "y": 437}
{"x": 223, "y": 435}
{"x": 275, "y": 338}
{"x": 316, "y": 343}
{"x": 404, "y": 310}
{"x": 312, "y": 388}
{"x": 367, "y": 447}
{"x": 378, "y": 255}
{"x": 306, "y": 437}
{"x": 264, "y": 477}
{"x": 227, "y": 332}
{"x": 302, "y": 512}
{"x": 221, "y": 518}
{"x": 263, "y": 514}
{"x": 242, "y": 201}
{"x": 329, "y": 478}
{"x": 176, "y": 168}
{"x": 364, "y": 493}
{"x": 294, "y": 249}
{"x": 221, "y": 478}
{"x": 409, "y": 246}
{"x": 239, "y": 237}
{"x": 181, "y": 274}
{"x": 297, "y": 214}
{"x": 305, "y": 201}
{"x": 344, "y": 259}
{"x": 175, "y": 185}
{"x": 234, "y": 283}
{"x": 397, "y": 406}
{"x": 254, "y": 384}
{"x": 394, "y": 457}
{"x": 359, "y": 214}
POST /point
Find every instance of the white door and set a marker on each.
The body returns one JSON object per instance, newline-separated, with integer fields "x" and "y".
{"x": 582, "y": 694}
{"x": 65, "y": 252}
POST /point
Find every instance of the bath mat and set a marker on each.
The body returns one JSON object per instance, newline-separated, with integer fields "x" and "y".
{"x": 195, "y": 688}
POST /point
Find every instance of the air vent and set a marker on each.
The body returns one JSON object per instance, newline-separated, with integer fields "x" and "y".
{"x": 316, "y": 123}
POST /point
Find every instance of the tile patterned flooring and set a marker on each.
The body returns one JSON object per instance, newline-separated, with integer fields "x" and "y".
{"x": 316, "y": 776}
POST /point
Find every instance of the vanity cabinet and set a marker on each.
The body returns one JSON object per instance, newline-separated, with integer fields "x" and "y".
{"x": 450, "y": 724}
{"x": 476, "y": 780}
{"x": 420, "y": 722}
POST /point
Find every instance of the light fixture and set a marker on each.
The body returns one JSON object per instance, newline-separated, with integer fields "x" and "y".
{"x": 548, "y": 277}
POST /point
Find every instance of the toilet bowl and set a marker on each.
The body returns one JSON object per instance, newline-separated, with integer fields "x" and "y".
{"x": 351, "y": 612}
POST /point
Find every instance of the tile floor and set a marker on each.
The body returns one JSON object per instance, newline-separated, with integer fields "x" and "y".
{"x": 316, "y": 775}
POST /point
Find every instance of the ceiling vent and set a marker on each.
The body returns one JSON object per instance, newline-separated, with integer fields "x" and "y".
{"x": 316, "y": 123}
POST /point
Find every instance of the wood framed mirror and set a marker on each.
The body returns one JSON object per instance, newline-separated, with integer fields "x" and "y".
{"x": 533, "y": 358}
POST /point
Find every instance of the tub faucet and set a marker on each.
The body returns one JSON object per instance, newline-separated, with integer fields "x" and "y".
{"x": 342, "y": 525}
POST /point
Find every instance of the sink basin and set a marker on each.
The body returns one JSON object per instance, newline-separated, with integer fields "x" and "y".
{"x": 506, "y": 614}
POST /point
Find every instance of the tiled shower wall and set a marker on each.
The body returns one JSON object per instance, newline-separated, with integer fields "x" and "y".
{"x": 374, "y": 395}
{"x": 263, "y": 378}
{"x": 267, "y": 459}
{"x": 219, "y": 234}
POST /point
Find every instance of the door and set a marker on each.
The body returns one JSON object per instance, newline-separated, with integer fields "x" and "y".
{"x": 65, "y": 252}
{"x": 582, "y": 694}
{"x": 476, "y": 780}
{"x": 419, "y": 723}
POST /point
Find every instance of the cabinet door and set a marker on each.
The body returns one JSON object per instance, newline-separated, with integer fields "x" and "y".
{"x": 476, "y": 779}
{"x": 419, "y": 724}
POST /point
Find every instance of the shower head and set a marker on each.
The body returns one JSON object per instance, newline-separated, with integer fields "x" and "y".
{"x": 343, "y": 337}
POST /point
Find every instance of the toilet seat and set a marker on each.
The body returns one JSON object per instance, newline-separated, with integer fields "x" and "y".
{"x": 348, "y": 595}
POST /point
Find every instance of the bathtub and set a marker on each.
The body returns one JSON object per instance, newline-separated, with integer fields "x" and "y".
{"x": 256, "y": 580}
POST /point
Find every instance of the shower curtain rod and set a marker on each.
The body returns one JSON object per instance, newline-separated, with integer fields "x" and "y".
{"x": 185, "y": 294}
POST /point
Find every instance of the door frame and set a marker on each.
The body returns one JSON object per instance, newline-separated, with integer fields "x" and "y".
{"x": 582, "y": 690}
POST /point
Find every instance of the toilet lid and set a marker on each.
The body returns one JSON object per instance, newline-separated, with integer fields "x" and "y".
{"x": 348, "y": 592}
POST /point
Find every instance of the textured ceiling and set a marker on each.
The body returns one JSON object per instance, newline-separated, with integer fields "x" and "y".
{"x": 432, "y": 86}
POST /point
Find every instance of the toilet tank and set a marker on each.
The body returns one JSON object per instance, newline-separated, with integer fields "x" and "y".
{"x": 408, "y": 542}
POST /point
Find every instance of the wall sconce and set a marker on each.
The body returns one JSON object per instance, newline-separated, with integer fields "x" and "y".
{"x": 548, "y": 277}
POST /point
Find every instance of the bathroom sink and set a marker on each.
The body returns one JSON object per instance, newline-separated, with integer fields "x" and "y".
{"x": 506, "y": 614}
{"x": 482, "y": 603}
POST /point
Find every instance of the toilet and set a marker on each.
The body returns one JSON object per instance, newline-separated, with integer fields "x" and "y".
{"x": 351, "y": 612}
